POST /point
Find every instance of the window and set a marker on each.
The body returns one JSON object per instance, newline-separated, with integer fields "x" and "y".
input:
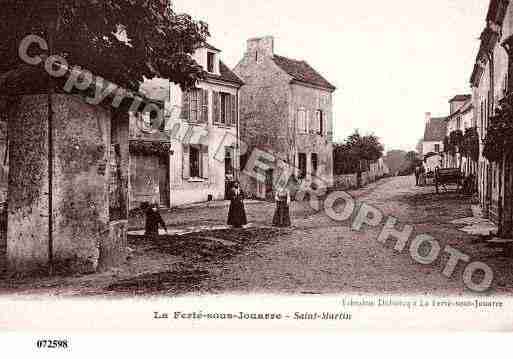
{"x": 302, "y": 165}
{"x": 437, "y": 148}
{"x": 315, "y": 164}
{"x": 194, "y": 162}
{"x": 458, "y": 123}
{"x": 195, "y": 106}
{"x": 319, "y": 118}
{"x": 224, "y": 108}
{"x": 228, "y": 161}
{"x": 210, "y": 61}
{"x": 302, "y": 121}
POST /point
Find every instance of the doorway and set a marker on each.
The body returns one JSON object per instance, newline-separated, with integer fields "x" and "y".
{"x": 164, "y": 181}
{"x": 269, "y": 193}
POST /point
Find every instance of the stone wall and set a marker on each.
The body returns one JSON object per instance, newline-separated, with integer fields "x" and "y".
{"x": 83, "y": 237}
{"x": 350, "y": 181}
{"x": 27, "y": 232}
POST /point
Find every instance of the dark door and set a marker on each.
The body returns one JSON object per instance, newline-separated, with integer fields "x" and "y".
{"x": 269, "y": 184}
{"x": 229, "y": 173}
{"x": 164, "y": 181}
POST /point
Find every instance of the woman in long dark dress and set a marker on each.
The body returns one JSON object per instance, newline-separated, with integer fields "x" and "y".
{"x": 237, "y": 214}
{"x": 282, "y": 214}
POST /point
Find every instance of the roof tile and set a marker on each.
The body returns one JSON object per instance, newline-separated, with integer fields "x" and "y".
{"x": 302, "y": 71}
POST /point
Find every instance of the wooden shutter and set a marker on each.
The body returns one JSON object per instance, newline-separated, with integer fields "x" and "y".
{"x": 228, "y": 109}
{"x": 234, "y": 110}
{"x": 204, "y": 162}
{"x": 185, "y": 106}
{"x": 204, "y": 106}
{"x": 215, "y": 107}
{"x": 186, "y": 162}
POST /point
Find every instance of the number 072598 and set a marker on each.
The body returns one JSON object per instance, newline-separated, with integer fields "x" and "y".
{"x": 52, "y": 344}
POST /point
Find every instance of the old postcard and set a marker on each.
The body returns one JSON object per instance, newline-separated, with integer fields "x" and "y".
{"x": 171, "y": 166}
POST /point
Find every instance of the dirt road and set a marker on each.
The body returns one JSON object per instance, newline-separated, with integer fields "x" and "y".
{"x": 318, "y": 255}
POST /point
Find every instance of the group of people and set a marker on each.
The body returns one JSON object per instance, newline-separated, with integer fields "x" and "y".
{"x": 236, "y": 213}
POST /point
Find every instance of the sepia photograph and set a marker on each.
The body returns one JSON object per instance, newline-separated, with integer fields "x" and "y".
{"x": 179, "y": 165}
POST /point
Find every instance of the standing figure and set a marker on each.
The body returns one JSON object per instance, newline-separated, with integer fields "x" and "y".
{"x": 236, "y": 213}
{"x": 153, "y": 220}
{"x": 282, "y": 214}
{"x": 417, "y": 176}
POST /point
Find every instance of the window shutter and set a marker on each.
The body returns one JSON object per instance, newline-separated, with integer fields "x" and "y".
{"x": 186, "y": 162}
{"x": 185, "y": 106}
{"x": 215, "y": 106}
{"x": 228, "y": 111}
{"x": 204, "y": 108}
{"x": 234, "y": 110}
{"x": 204, "y": 162}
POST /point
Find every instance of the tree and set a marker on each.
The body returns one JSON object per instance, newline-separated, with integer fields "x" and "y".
{"x": 367, "y": 148}
{"x": 360, "y": 151}
{"x": 123, "y": 41}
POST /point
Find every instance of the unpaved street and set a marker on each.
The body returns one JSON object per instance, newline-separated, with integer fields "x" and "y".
{"x": 317, "y": 255}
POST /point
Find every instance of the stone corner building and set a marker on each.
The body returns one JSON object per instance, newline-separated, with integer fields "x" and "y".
{"x": 286, "y": 109}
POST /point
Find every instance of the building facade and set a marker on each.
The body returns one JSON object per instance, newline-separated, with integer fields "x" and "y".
{"x": 433, "y": 142}
{"x": 491, "y": 86}
{"x": 460, "y": 119}
{"x": 286, "y": 110}
{"x": 198, "y": 156}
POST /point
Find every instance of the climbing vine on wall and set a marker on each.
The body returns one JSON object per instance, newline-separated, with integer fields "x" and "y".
{"x": 499, "y": 137}
{"x": 453, "y": 142}
{"x": 470, "y": 144}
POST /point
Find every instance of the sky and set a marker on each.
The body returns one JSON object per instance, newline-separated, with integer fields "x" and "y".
{"x": 391, "y": 61}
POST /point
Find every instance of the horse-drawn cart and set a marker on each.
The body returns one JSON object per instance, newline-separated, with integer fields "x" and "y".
{"x": 448, "y": 176}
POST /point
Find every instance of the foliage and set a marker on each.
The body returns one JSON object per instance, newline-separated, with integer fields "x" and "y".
{"x": 448, "y": 148}
{"x": 356, "y": 153}
{"x": 470, "y": 144}
{"x": 499, "y": 136}
{"x": 365, "y": 147}
{"x": 453, "y": 142}
{"x": 154, "y": 41}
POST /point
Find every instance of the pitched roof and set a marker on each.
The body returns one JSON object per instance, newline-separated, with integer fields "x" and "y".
{"x": 207, "y": 46}
{"x": 302, "y": 72}
{"x": 227, "y": 75}
{"x": 436, "y": 129}
{"x": 460, "y": 98}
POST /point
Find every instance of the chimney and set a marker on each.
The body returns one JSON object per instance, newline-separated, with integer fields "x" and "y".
{"x": 428, "y": 117}
{"x": 259, "y": 48}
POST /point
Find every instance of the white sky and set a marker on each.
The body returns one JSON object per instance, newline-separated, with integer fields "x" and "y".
{"x": 391, "y": 61}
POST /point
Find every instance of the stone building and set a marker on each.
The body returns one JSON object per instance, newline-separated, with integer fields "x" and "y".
{"x": 286, "y": 110}
{"x": 492, "y": 84}
{"x": 461, "y": 118}
{"x": 199, "y": 152}
{"x": 433, "y": 141}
